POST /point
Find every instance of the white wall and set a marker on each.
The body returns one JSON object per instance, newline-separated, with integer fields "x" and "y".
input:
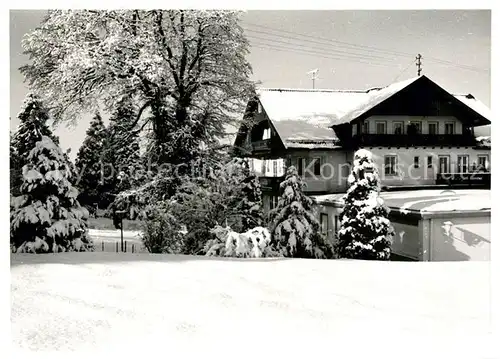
{"x": 334, "y": 170}
{"x": 424, "y": 120}
{"x": 422, "y": 175}
{"x": 407, "y": 241}
{"x": 466, "y": 239}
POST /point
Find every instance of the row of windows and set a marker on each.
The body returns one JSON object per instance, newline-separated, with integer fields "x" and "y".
{"x": 398, "y": 127}
{"x": 444, "y": 164}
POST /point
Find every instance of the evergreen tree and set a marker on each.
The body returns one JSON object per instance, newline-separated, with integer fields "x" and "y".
{"x": 90, "y": 167}
{"x": 122, "y": 148}
{"x": 249, "y": 207}
{"x": 365, "y": 230}
{"x": 15, "y": 170}
{"x": 46, "y": 216}
{"x": 33, "y": 119}
{"x": 295, "y": 228}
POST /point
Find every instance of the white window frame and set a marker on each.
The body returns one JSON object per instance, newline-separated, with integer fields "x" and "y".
{"x": 486, "y": 162}
{"x": 416, "y": 161}
{"x": 460, "y": 165}
{"x": 430, "y": 163}
{"x": 448, "y": 163}
{"x": 394, "y": 166}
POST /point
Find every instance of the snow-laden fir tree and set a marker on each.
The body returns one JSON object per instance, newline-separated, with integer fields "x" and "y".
{"x": 15, "y": 170}
{"x": 122, "y": 147}
{"x": 91, "y": 169}
{"x": 47, "y": 217}
{"x": 33, "y": 124}
{"x": 365, "y": 230}
{"x": 249, "y": 206}
{"x": 295, "y": 228}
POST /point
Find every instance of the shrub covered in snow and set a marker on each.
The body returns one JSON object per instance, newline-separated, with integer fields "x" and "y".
{"x": 295, "y": 228}
{"x": 221, "y": 196}
{"x": 46, "y": 217}
{"x": 254, "y": 243}
{"x": 161, "y": 232}
{"x": 365, "y": 230}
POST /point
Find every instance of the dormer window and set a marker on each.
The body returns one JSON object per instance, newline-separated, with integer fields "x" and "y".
{"x": 267, "y": 134}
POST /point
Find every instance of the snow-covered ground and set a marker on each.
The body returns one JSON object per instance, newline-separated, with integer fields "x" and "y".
{"x": 114, "y": 233}
{"x": 129, "y": 302}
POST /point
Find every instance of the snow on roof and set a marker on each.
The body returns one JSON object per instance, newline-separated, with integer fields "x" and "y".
{"x": 475, "y": 105}
{"x": 309, "y": 114}
{"x": 428, "y": 201}
{"x": 318, "y": 107}
{"x": 300, "y": 114}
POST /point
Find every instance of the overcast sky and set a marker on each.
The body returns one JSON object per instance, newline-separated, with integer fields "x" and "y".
{"x": 352, "y": 50}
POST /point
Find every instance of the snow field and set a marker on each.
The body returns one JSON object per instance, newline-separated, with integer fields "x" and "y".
{"x": 109, "y": 301}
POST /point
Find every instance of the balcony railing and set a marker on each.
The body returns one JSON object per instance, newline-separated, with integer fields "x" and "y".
{"x": 455, "y": 167}
{"x": 465, "y": 175}
{"x": 261, "y": 145}
{"x": 413, "y": 140}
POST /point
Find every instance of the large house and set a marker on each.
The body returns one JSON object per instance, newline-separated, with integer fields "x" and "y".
{"x": 419, "y": 134}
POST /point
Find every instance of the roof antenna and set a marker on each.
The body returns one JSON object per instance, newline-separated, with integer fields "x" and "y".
{"x": 313, "y": 74}
{"x": 419, "y": 64}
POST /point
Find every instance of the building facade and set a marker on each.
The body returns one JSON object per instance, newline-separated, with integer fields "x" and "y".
{"x": 420, "y": 135}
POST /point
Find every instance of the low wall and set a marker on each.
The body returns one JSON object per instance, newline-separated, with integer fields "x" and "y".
{"x": 406, "y": 243}
{"x": 421, "y": 236}
{"x": 460, "y": 238}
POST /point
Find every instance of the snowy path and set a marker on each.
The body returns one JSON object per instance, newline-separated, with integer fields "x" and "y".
{"x": 113, "y": 235}
{"x": 107, "y": 301}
